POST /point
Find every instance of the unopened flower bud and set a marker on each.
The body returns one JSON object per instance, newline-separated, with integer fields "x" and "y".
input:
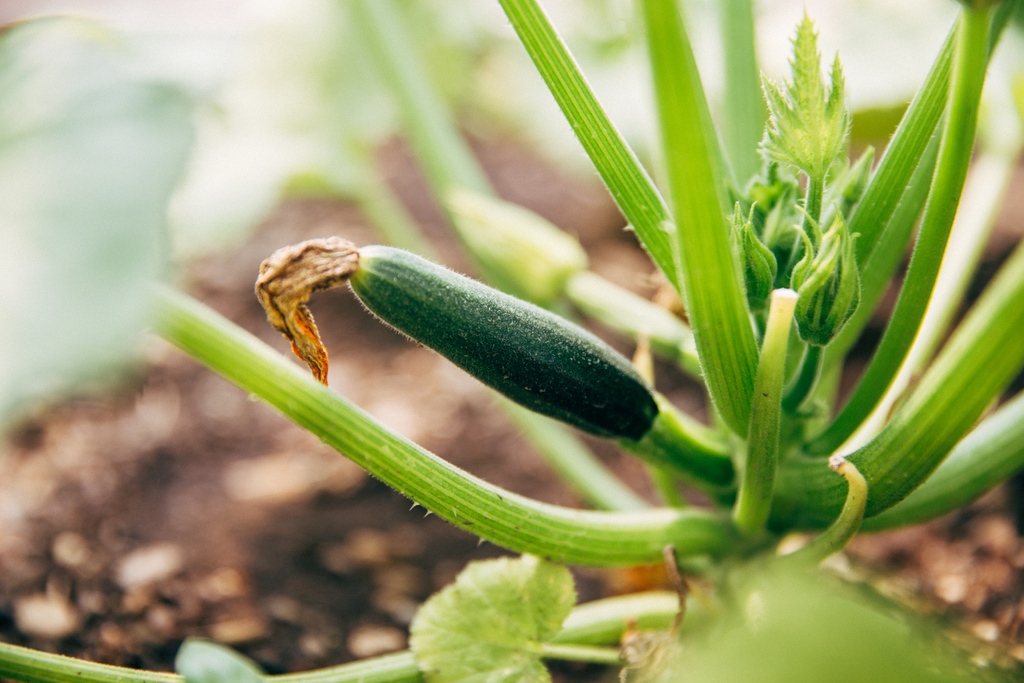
{"x": 522, "y": 253}
{"x": 828, "y": 283}
{"x": 757, "y": 261}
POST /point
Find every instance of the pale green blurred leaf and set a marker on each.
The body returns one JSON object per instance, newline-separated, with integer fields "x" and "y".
{"x": 89, "y": 152}
{"x": 202, "y": 661}
{"x": 488, "y": 625}
{"x": 796, "y": 627}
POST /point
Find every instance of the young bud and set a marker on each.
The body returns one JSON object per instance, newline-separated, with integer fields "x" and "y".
{"x": 828, "y": 283}
{"x": 757, "y": 261}
{"x": 856, "y": 181}
{"x": 522, "y": 253}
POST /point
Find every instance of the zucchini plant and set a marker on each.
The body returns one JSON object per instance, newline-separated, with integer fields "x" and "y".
{"x": 779, "y": 248}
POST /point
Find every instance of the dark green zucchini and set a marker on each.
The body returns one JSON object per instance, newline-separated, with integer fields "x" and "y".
{"x": 530, "y": 355}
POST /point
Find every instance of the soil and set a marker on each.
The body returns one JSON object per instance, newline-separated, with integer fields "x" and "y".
{"x": 179, "y": 507}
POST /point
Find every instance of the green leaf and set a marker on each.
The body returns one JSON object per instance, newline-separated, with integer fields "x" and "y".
{"x": 808, "y": 123}
{"x": 203, "y": 661}
{"x": 489, "y": 624}
{"x": 89, "y": 153}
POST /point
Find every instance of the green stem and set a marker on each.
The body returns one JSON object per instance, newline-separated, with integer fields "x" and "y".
{"x": 686, "y": 447}
{"x": 986, "y": 457}
{"x": 712, "y": 289}
{"x": 581, "y": 653}
{"x": 975, "y": 366}
{"x": 446, "y": 157}
{"x": 955, "y": 148}
{"x": 603, "y": 622}
{"x": 626, "y": 179}
{"x": 32, "y": 666}
{"x": 666, "y": 487}
{"x": 755, "y": 496}
{"x": 572, "y": 461}
{"x": 744, "y": 113}
{"x": 596, "y": 623}
{"x": 812, "y": 204}
{"x": 983, "y": 197}
{"x": 504, "y": 518}
{"x": 806, "y": 379}
{"x": 846, "y": 525}
{"x": 891, "y": 247}
{"x": 398, "y": 667}
{"x": 636, "y": 317}
{"x": 903, "y": 155}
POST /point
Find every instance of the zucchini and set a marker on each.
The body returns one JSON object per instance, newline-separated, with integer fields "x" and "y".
{"x": 530, "y": 355}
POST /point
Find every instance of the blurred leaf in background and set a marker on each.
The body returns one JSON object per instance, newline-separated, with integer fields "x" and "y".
{"x": 90, "y": 150}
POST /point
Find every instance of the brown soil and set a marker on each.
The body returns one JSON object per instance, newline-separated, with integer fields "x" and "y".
{"x": 180, "y": 507}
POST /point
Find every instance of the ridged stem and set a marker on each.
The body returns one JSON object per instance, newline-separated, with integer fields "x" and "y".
{"x": 490, "y": 512}
{"x": 755, "y": 496}
{"x": 712, "y": 289}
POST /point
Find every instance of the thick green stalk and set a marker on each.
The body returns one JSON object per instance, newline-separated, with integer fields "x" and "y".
{"x": 448, "y": 162}
{"x": 625, "y": 177}
{"x": 713, "y": 293}
{"x": 755, "y": 497}
{"x": 955, "y": 148}
{"x": 595, "y": 654}
{"x": 492, "y": 513}
{"x": 975, "y": 367}
{"x": 986, "y": 457}
{"x": 397, "y": 667}
{"x": 744, "y": 114}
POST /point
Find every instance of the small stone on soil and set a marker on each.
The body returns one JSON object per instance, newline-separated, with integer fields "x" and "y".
{"x": 45, "y": 616}
{"x": 369, "y": 641}
{"x": 149, "y": 564}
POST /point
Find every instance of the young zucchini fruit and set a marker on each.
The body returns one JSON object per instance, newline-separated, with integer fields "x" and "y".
{"x": 525, "y": 352}
{"x": 530, "y": 355}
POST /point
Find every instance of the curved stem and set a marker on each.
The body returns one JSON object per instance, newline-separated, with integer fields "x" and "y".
{"x": 504, "y": 518}
{"x": 577, "y": 465}
{"x": 957, "y": 143}
{"x": 846, "y": 525}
